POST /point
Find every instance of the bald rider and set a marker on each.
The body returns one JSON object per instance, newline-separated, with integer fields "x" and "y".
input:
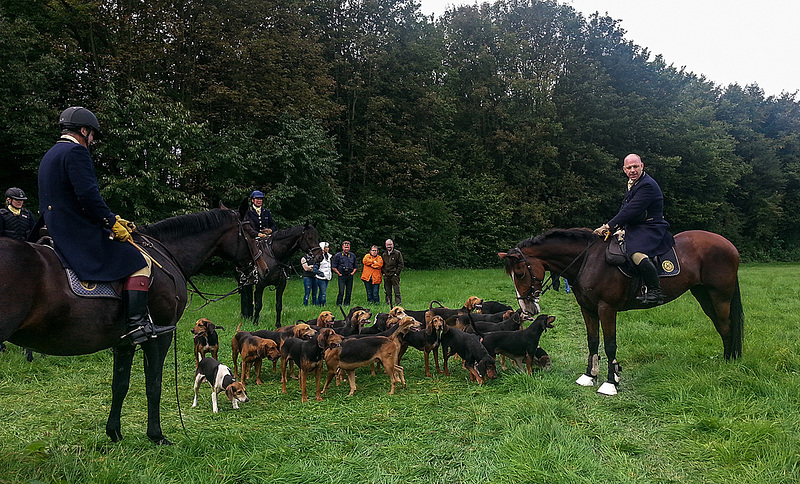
{"x": 646, "y": 232}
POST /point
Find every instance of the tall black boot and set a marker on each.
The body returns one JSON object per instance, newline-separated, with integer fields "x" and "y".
{"x": 653, "y": 295}
{"x": 139, "y": 326}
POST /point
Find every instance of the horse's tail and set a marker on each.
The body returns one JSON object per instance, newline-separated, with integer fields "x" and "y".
{"x": 736, "y": 322}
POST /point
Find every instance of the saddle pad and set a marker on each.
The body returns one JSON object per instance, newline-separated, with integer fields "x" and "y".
{"x": 90, "y": 289}
{"x": 666, "y": 263}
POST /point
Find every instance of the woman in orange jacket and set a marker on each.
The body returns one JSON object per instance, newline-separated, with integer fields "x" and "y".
{"x": 371, "y": 274}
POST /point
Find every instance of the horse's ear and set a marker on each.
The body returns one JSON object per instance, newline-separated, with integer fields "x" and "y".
{"x": 502, "y": 255}
{"x": 243, "y": 208}
{"x": 222, "y": 205}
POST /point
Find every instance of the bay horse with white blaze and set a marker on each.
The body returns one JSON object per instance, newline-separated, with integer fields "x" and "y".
{"x": 709, "y": 266}
{"x": 39, "y": 311}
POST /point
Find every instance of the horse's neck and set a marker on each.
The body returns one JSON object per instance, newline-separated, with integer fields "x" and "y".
{"x": 284, "y": 248}
{"x": 191, "y": 252}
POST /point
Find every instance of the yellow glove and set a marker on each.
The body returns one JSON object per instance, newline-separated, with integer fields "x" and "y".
{"x": 120, "y": 232}
{"x": 127, "y": 224}
{"x": 266, "y": 231}
{"x": 602, "y": 230}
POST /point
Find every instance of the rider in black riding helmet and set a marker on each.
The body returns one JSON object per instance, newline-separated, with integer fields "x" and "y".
{"x": 88, "y": 237}
{"x": 15, "y": 220}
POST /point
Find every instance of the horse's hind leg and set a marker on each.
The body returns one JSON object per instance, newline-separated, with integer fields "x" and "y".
{"x": 123, "y": 360}
{"x": 718, "y": 310}
{"x": 155, "y": 351}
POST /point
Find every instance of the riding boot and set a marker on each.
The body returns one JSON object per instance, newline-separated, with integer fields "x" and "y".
{"x": 652, "y": 295}
{"x": 139, "y": 325}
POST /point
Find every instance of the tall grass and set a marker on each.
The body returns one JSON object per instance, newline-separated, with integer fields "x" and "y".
{"x": 683, "y": 414}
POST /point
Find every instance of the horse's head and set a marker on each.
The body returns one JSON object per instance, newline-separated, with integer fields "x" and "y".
{"x": 309, "y": 243}
{"x": 527, "y": 275}
{"x": 247, "y": 253}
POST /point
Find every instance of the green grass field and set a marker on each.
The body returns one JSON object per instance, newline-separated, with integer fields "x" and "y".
{"x": 683, "y": 414}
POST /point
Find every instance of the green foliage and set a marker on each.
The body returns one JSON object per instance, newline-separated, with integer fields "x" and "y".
{"x": 456, "y": 135}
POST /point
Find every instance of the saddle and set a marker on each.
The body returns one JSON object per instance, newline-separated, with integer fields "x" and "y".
{"x": 80, "y": 288}
{"x": 666, "y": 263}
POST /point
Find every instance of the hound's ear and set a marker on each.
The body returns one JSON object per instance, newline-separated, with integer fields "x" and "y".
{"x": 502, "y": 255}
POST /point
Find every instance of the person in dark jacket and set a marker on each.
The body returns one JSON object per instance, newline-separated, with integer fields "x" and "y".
{"x": 392, "y": 267}
{"x": 344, "y": 264}
{"x": 646, "y": 232}
{"x": 261, "y": 220}
{"x": 88, "y": 237}
{"x": 15, "y": 220}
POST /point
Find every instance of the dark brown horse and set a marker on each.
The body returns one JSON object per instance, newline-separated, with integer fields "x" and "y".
{"x": 276, "y": 252}
{"x": 40, "y": 311}
{"x": 709, "y": 266}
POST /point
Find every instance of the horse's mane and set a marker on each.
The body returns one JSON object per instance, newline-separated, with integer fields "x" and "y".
{"x": 184, "y": 225}
{"x": 288, "y": 232}
{"x": 573, "y": 234}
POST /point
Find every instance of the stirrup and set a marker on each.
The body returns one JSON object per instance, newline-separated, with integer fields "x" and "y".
{"x": 144, "y": 332}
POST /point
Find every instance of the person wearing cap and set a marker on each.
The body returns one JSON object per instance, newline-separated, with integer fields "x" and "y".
{"x": 88, "y": 237}
{"x": 15, "y": 220}
{"x": 319, "y": 292}
{"x": 261, "y": 220}
{"x": 344, "y": 264}
{"x": 260, "y": 216}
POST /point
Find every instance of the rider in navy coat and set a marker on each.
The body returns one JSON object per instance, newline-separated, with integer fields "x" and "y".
{"x": 646, "y": 232}
{"x": 89, "y": 238}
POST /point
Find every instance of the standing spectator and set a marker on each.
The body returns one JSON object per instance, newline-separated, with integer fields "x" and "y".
{"x": 15, "y": 221}
{"x": 392, "y": 267}
{"x": 371, "y": 274}
{"x": 308, "y": 278}
{"x": 319, "y": 293}
{"x": 261, "y": 220}
{"x": 344, "y": 265}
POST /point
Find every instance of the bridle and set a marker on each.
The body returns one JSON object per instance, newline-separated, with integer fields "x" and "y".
{"x": 546, "y": 284}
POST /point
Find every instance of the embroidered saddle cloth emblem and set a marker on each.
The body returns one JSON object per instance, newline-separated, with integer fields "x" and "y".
{"x": 90, "y": 288}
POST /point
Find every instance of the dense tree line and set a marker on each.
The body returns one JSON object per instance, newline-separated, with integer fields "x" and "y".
{"x": 455, "y": 136}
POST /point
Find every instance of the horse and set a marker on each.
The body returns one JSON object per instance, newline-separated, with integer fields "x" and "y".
{"x": 708, "y": 264}
{"x": 276, "y": 251}
{"x": 41, "y": 312}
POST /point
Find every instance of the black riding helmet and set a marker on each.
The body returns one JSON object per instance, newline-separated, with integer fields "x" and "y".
{"x": 76, "y": 117}
{"x": 15, "y": 193}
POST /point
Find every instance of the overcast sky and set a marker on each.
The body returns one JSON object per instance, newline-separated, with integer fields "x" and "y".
{"x": 728, "y": 41}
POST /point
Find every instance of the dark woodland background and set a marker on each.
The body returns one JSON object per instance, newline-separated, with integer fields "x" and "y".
{"x": 456, "y": 136}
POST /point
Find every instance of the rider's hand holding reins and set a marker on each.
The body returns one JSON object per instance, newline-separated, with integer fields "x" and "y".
{"x": 602, "y": 230}
{"x": 120, "y": 230}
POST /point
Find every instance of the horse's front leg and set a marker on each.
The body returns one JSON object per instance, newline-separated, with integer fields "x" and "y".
{"x": 120, "y": 382}
{"x": 155, "y": 351}
{"x": 258, "y": 302}
{"x": 608, "y": 320}
{"x": 279, "y": 288}
{"x": 593, "y": 339}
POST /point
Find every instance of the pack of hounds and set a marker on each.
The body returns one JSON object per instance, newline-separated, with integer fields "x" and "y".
{"x": 476, "y": 333}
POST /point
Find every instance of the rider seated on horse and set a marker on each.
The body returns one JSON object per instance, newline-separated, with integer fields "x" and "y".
{"x": 646, "y": 232}
{"x": 260, "y": 217}
{"x": 88, "y": 237}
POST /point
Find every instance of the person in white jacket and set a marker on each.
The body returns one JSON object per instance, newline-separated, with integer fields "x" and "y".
{"x": 319, "y": 293}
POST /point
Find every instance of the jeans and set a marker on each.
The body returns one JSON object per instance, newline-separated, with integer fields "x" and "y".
{"x": 319, "y": 293}
{"x": 308, "y": 282}
{"x": 345, "y": 290}
{"x": 373, "y": 292}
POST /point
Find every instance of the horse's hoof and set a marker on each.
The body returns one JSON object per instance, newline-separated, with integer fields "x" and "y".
{"x": 115, "y": 435}
{"x": 585, "y": 381}
{"x": 607, "y": 388}
{"x": 161, "y": 441}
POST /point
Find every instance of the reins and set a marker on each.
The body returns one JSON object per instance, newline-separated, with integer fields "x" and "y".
{"x": 548, "y": 282}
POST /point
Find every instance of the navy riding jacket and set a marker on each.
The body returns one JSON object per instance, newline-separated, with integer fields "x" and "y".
{"x": 78, "y": 218}
{"x": 642, "y": 217}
